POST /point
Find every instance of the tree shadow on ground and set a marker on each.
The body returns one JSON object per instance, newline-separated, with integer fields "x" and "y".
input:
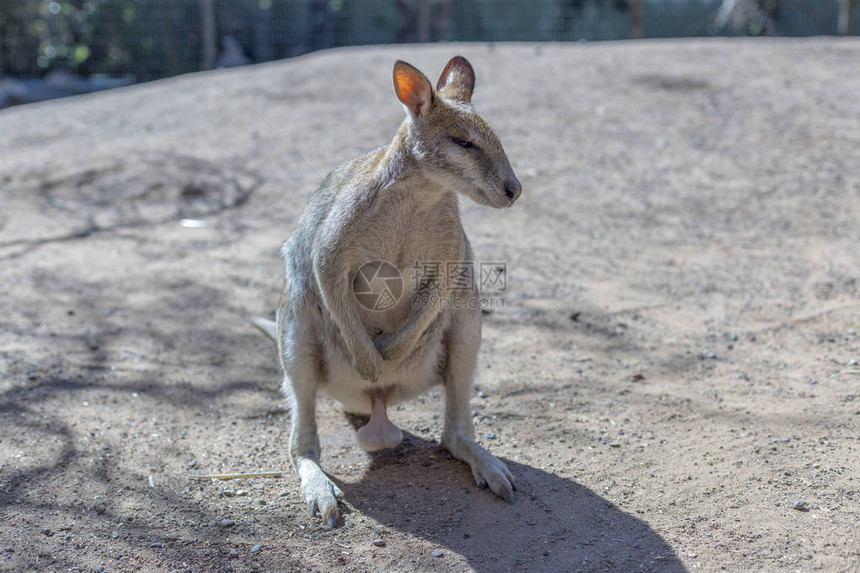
{"x": 554, "y": 523}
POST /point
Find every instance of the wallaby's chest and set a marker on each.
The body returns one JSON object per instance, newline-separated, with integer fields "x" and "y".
{"x": 404, "y": 232}
{"x": 401, "y": 246}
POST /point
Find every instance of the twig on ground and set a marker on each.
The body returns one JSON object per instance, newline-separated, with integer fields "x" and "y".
{"x": 273, "y": 474}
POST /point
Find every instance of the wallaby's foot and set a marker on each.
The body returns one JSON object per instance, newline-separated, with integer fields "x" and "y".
{"x": 488, "y": 470}
{"x": 379, "y": 433}
{"x": 320, "y": 493}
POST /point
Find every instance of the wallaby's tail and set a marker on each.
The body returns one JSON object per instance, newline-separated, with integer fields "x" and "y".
{"x": 266, "y": 326}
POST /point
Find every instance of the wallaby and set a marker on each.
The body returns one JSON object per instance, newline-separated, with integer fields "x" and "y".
{"x": 387, "y": 212}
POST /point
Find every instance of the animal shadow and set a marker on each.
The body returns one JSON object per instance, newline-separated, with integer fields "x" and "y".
{"x": 554, "y": 523}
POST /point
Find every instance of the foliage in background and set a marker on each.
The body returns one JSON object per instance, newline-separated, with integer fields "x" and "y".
{"x": 105, "y": 36}
{"x": 157, "y": 38}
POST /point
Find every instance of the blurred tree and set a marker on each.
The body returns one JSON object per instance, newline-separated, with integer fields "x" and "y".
{"x": 20, "y": 30}
{"x": 147, "y": 38}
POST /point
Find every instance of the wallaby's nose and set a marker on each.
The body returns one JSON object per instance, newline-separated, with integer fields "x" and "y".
{"x": 513, "y": 188}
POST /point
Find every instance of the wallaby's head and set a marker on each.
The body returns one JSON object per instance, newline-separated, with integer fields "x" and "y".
{"x": 453, "y": 144}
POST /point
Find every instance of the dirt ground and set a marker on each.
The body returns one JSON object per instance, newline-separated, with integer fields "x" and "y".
{"x": 675, "y": 364}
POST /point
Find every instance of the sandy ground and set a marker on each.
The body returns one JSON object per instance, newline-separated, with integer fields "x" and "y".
{"x": 674, "y": 366}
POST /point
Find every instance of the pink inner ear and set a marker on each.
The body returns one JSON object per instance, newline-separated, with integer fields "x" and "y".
{"x": 412, "y": 91}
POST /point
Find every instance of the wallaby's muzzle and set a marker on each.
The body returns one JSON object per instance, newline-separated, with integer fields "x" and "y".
{"x": 513, "y": 188}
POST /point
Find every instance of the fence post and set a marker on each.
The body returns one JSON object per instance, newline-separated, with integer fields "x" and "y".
{"x": 423, "y": 21}
{"x": 207, "y": 21}
{"x": 262, "y": 30}
{"x": 846, "y": 15}
{"x": 636, "y": 19}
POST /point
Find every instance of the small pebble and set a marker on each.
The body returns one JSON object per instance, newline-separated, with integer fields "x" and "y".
{"x": 614, "y": 444}
{"x": 115, "y": 534}
{"x": 227, "y": 522}
{"x": 800, "y": 505}
{"x": 438, "y": 553}
{"x": 256, "y": 548}
{"x": 482, "y": 394}
{"x": 490, "y": 435}
{"x": 379, "y": 542}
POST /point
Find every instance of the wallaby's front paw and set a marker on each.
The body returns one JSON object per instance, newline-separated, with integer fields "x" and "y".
{"x": 368, "y": 364}
{"x": 390, "y": 346}
{"x": 321, "y": 495}
{"x": 384, "y": 343}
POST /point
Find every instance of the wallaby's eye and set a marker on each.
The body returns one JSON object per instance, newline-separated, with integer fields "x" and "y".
{"x": 462, "y": 142}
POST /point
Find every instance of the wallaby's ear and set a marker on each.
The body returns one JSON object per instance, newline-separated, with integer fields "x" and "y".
{"x": 413, "y": 88}
{"x": 457, "y": 81}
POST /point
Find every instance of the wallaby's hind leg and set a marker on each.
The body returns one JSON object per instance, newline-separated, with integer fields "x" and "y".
{"x": 462, "y": 343}
{"x": 302, "y": 365}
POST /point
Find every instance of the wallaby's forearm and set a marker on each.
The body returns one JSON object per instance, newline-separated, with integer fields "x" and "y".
{"x": 334, "y": 287}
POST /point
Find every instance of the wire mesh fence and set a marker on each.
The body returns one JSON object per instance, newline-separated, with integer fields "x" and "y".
{"x": 147, "y": 39}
